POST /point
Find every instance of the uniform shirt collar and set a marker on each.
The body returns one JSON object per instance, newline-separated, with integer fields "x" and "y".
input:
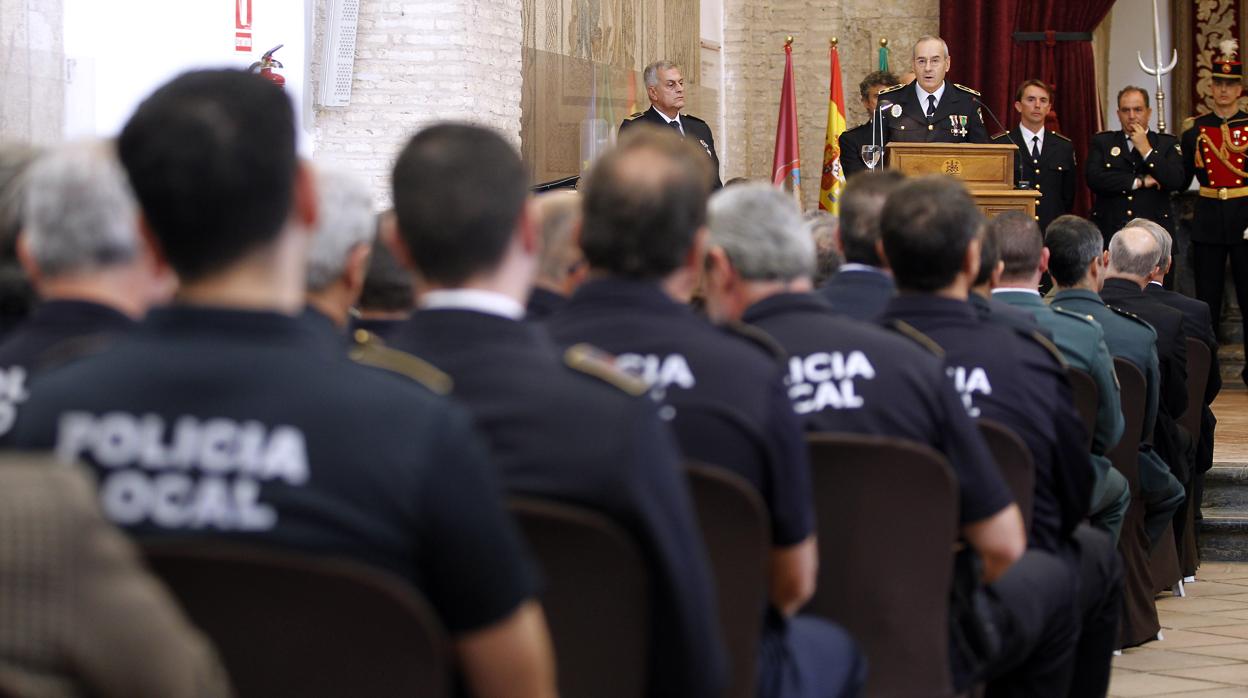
{"x": 488, "y": 302}
{"x": 854, "y": 266}
{"x": 1154, "y": 283}
{"x": 664, "y": 116}
{"x": 1026, "y": 291}
{"x": 1077, "y": 293}
{"x": 1028, "y": 135}
{"x": 940, "y": 92}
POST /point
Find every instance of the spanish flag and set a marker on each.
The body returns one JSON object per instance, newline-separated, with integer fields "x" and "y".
{"x": 786, "y": 164}
{"x": 833, "y": 179}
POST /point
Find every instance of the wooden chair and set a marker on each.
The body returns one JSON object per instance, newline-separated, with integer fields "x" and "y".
{"x": 1139, "y": 622}
{"x": 1016, "y": 464}
{"x": 887, "y": 512}
{"x": 1087, "y": 397}
{"x": 596, "y": 597}
{"x": 737, "y": 533}
{"x": 295, "y": 625}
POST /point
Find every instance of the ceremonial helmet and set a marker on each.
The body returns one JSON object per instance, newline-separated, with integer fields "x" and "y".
{"x": 1225, "y": 66}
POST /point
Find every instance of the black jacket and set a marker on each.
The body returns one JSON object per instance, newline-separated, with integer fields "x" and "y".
{"x": 860, "y": 294}
{"x": 694, "y": 128}
{"x": 1053, "y": 175}
{"x": 957, "y": 119}
{"x": 1111, "y": 171}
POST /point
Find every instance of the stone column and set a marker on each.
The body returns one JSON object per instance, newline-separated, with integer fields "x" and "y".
{"x": 32, "y": 65}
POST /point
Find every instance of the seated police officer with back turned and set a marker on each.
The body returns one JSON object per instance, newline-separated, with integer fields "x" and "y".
{"x": 643, "y": 235}
{"x": 1045, "y": 158}
{"x": 666, "y": 89}
{"x": 862, "y": 286}
{"x": 931, "y": 109}
{"x": 95, "y": 274}
{"x": 215, "y": 418}
{"x": 852, "y": 140}
{"x": 560, "y": 264}
{"x": 930, "y": 234}
{"x": 387, "y": 297}
{"x": 566, "y": 427}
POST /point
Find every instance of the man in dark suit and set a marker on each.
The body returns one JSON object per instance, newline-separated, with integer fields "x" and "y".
{"x": 1046, "y": 159}
{"x": 1132, "y": 172}
{"x": 862, "y": 286}
{"x": 851, "y": 141}
{"x": 666, "y": 89}
{"x": 931, "y": 110}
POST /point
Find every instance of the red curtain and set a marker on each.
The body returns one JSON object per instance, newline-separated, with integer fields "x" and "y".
{"x": 984, "y": 28}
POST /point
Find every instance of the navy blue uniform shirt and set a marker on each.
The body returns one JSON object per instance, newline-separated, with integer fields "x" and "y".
{"x": 1012, "y": 378}
{"x": 849, "y": 376}
{"x": 563, "y": 434}
{"x": 223, "y": 423}
{"x": 723, "y": 392}
{"x": 860, "y": 293}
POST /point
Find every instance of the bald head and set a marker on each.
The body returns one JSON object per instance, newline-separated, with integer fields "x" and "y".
{"x": 1133, "y": 254}
{"x": 558, "y": 216}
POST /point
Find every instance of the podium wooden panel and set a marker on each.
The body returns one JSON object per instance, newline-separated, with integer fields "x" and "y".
{"x": 987, "y": 169}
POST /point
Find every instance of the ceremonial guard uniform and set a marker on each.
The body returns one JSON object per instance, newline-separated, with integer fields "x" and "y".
{"x": 689, "y": 126}
{"x": 1052, "y": 174}
{"x": 956, "y": 118}
{"x": 575, "y": 429}
{"x": 1112, "y": 170}
{"x": 1214, "y": 152}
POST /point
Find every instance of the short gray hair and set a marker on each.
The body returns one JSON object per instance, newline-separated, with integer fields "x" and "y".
{"x": 761, "y": 229}
{"x": 558, "y": 214}
{"x": 1136, "y": 257}
{"x": 81, "y": 214}
{"x": 928, "y": 37}
{"x": 651, "y": 74}
{"x": 1163, "y": 238}
{"x": 822, "y": 228}
{"x": 346, "y": 220}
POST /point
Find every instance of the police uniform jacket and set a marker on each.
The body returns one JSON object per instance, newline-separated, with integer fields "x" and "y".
{"x": 851, "y": 142}
{"x": 862, "y": 397}
{"x": 723, "y": 391}
{"x": 694, "y": 128}
{"x": 379, "y": 327}
{"x": 1111, "y": 171}
{"x": 1053, "y": 174}
{"x": 859, "y": 293}
{"x": 1197, "y": 324}
{"x": 1014, "y": 379}
{"x": 330, "y": 338}
{"x": 993, "y": 310}
{"x": 1221, "y": 169}
{"x": 957, "y": 119}
{"x": 209, "y": 422}
{"x": 543, "y": 303}
{"x": 1082, "y": 344}
{"x": 571, "y": 428}
{"x": 57, "y": 332}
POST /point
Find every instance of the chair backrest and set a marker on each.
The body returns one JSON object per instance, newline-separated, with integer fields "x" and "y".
{"x": 1015, "y": 461}
{"x": 596, "y": 597}
{"x": 1087, "y": 397}
{"x": 1198, "y": 359}
{"x": 1133, "y": 393}
{"x": 737, "y": 533}
{"x": 887, "y": 513}
{"x": 290, "y": 624}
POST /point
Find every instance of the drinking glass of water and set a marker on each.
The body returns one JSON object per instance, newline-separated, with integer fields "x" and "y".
{"x": 871, "y": 155}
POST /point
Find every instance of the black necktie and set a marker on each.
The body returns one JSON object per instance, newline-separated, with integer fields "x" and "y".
{"x": 931, "y": 106}
{"x": 1035, "y": 147}
{"x": 676, "y": 125}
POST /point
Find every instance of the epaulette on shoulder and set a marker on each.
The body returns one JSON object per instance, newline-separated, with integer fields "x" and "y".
{"x": 758, "y": 338}
{"x": 1236, "y": 121}
{"x": 638, "y": 115}
{"x": 369, "y": 350}
{"x": 964, "y": 88}
{"x": 1002, "y": 134}
{"x": 1081, "y": 317}
{"x": 1133, "y": 317}
{"x": 691, "y": 117}
{"x": 1048, "y": 345}
{"x": 918, "y": 337}
{"x": 894, "y": 88}
{"x": 1102, "y": 133}
{"x": 1058, "y": 135}
{"x": 1187, "y": 123}
{"x": 594, "y": 362}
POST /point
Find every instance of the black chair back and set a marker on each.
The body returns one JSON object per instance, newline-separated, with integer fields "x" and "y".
{"x": 737, "y": 533}
{"x": 1016, "y": 464}
{"x": 296, "y": 625}
{"x": 887, "y": 512}
{"x": 596, "y": 597}
{"x": 1087, "y": 397}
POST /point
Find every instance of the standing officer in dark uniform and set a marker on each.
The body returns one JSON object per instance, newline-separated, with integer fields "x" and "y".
{"x": 931, "y": 110}
{"x": 1019, "y": 380}
{"x": 852, "y": 140}
{"x": 666, "y": 89}
{"x": 571, "y": 428}
{"x": 217, "y": 420}
{"x": 643, "y": 236}
{"x": 1213, "y": 152}
{"x": 1045, "y": 159}
{"x": 1134, "y": 171}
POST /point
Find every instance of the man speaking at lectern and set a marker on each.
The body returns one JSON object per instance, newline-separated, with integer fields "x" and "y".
{"x": 930, "y": 110}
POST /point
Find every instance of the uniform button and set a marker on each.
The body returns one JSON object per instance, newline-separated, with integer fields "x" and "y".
{"x": 1130, "y": 198}
{"x": 1107, "y": 164}
{"x": 1129, "y": 212}
{"x": 930, "y": 127}
{"x": 1037, "y": 170}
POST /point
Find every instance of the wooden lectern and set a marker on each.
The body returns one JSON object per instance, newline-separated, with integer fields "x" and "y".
{"x": 987, "y": 169}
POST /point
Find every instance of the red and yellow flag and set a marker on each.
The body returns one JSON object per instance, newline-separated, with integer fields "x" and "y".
{"x": 833, "y": 179}
{"x": 786, "y": 164}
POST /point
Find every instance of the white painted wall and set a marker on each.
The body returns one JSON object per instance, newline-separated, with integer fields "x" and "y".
{"x": 1131, "y": 30}
{"x": 119, "y": 51}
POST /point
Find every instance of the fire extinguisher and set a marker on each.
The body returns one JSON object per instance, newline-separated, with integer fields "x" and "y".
{"x": 265, "y": 66}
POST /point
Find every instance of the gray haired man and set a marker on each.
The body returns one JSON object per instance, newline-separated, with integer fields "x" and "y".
{"x": 338, "y": 255}
{"x": 80, "y": 247}
{"x": 665, "y": 87}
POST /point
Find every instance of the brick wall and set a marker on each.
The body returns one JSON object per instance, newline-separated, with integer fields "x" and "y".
{"x": 32, "y": 64}
{"x": 417, "y": 63}
{"x": 753, "y": 64}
